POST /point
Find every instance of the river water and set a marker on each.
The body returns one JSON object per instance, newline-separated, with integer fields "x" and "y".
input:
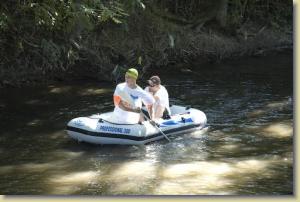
{"x": 248, "y": 149}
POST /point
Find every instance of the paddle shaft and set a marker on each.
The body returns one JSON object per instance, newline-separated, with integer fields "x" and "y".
{"x": 156, "y": 127}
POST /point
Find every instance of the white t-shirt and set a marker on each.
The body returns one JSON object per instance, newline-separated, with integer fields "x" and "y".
{"x": 134, "y": 97}
{"x": 163, "y": 96}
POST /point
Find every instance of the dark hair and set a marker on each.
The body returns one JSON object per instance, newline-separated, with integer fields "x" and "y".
{"x": 154, "y": 80}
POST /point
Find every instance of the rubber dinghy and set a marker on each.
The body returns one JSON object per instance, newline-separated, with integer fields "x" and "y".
{"x": 98, "y": 129}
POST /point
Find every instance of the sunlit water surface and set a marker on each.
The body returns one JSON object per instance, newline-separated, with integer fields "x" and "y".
{"x": 248, "y": 149}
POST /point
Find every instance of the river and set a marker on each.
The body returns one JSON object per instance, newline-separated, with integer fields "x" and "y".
{"x": 248, "y": 149}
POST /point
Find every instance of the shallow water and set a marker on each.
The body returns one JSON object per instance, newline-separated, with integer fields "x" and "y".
{"x": 248, "y": 149}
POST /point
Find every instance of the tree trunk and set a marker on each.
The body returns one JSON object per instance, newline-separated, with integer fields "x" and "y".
{"x": 222, "y": 13}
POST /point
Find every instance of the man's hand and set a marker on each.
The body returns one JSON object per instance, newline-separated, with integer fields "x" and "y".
{"x": 137, "y": 110}
{"x": 126, "y": 104}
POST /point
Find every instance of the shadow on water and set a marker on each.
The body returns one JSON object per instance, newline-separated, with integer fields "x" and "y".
{"x": 248, "y": 149}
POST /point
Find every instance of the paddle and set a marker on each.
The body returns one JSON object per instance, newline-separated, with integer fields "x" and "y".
{"x": 153, "y": 124}
{"x": 127, "y": 98}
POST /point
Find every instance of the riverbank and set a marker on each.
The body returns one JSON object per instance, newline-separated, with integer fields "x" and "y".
{"x": 151, "y": 40}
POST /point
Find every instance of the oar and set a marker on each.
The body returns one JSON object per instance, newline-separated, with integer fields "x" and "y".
{"x": 156, "y": 126}
{"x": 126, "y": 98}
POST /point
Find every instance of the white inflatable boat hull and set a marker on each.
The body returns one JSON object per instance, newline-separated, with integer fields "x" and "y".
{"x": 97, "y": 129}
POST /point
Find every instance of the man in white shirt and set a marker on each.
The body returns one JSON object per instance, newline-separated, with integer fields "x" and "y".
{"x": 161, "y": 108}
{"x": 128, "y": 98}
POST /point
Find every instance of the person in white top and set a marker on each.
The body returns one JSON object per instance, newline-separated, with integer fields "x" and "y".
{"x": 161, "y": 108}
{"x": 128, "y": 98}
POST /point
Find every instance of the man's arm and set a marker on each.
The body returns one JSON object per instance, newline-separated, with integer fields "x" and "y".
{"x": 119, "y": 96}
{"x": 126, "y": 107}
{"x": 159, "y": 111}
{"x": 150, "y": 111}
{"x": 148, "y": 100}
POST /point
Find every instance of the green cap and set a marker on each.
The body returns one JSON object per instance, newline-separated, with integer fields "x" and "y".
{"x": 132, "y": 73}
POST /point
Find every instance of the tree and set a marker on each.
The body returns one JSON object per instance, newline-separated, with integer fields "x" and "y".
{"x": 221, "y": 15}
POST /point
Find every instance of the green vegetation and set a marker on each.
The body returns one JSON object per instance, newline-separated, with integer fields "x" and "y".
{"x": 46, "y": 39}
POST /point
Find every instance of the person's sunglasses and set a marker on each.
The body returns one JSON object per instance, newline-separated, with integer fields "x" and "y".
{"x": 152, "y": 85}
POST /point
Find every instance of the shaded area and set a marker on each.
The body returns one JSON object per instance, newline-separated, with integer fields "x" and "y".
{"x": 248, "y": 149}
{"x": 63, "y": 40}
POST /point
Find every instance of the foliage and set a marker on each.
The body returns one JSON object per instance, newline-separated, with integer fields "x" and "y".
{"x": 50, "y": 32}
{"x": 238, "y": 10}
{"x": 48, "y": 37}
{"x": 265, "y": 11}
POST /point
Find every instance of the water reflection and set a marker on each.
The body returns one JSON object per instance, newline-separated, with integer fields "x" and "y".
{"x": 248, "y": 148}
{"x": 278, "y": 130}
{"x": 212, "y": 177}
{"x": 131, "y": 177}
{"x": 70, "y": 183}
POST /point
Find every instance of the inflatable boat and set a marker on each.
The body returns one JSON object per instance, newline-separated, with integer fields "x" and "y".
{"x": 98, "y": 129}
